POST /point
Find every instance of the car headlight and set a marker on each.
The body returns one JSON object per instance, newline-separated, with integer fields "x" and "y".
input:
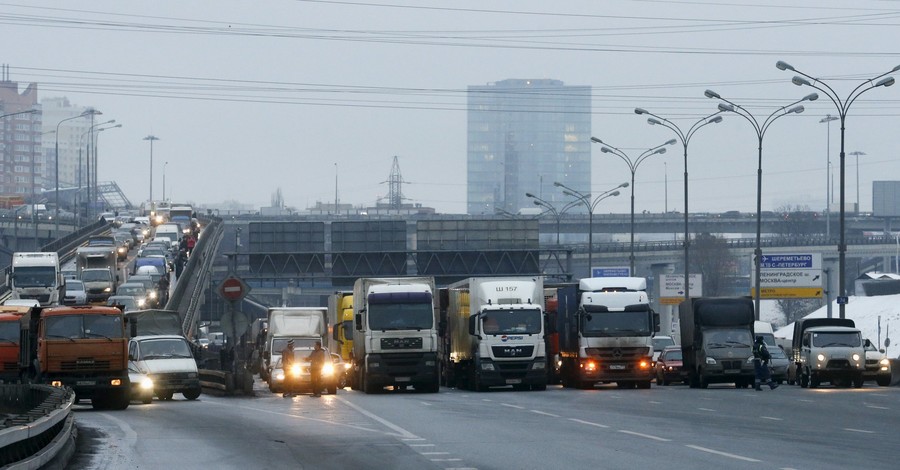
{"x": 487, "y": 366}
{"x": 855, "y": 357}
{"x": 347, "y": 366}
{"x": 328, "y": 369}
{"x": 108, "y": 289}
{"x": 140, "y": 302}
{"x": 295, "y": 370}
{"x": 710, "y": 361}
{"x": 153, "y": 294}
{"x": 121, "y": 249}
{"x": 279, "y": 376}
{"x": 821, "y": 357}
{"x": 885, "y": 362}
{"x": 146, "y": 383}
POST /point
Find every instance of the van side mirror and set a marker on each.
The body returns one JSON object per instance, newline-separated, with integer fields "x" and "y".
{"x": 473, "y": 322}
{"x": 358, "y": 319}
{"x": 868, "y": 343}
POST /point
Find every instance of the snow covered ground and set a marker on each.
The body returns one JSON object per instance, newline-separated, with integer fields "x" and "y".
{"x": 864, "y": 311}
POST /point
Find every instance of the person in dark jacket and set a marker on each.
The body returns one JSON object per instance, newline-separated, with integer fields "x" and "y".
{"x": 316, "y": 362}
{"x": 761, "y": 359}
{"x": 287, "y": 360}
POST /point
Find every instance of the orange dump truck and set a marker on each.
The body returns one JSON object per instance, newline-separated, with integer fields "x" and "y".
{"x": 81, "y": 347}
{"x": 9, "y": 342}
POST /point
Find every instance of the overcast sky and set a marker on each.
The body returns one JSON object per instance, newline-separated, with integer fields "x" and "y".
{"x": 247, "y": 97}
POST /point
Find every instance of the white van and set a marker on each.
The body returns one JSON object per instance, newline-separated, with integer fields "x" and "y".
{"x": 167, "y": 360}
{"x": 171, "y": 231}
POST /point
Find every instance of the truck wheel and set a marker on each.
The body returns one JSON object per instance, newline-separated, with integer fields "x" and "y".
{"x": 704, "y": 382}
{"x": 814, "y": 380}
{"x": 120, "y": 400}
{"x": 858, "y": 381}
{"x": 165, "y": 395}
{"x": 883, "y": 380}
{"x": 99, "y": 401}
{"x": 644, "y": 385}
{"x": 693, "y": 380}
{"x": 332, "y": 389}
{"x": 367, "y": 387}
{"x": 191, "y": 394}
{"x": 539, "y": 387}
{"x": 147, "y": 399}
{"x": 804, "y": 379}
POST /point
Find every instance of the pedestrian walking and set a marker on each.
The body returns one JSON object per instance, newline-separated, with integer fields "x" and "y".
{"x": 761, "y": 359}
{"x": 287, "y": 361}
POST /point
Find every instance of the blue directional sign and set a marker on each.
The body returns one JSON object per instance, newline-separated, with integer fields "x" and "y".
{"x": 618, "y": 271}
{"x": 803, "y": 261}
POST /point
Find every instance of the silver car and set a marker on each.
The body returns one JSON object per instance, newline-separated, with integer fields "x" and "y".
{"x": 75, "y": 293}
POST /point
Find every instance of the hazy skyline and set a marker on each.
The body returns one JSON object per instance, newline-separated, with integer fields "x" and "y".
{"x": 247, "y": 98}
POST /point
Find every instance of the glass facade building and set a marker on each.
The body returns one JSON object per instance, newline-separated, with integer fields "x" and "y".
{"x": 522, "y": 136}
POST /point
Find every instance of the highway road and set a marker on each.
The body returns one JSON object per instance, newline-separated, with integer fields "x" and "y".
{"x": 665, "y": 427}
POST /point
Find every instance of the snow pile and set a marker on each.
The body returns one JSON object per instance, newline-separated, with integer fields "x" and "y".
{"x": 864, "y": 311}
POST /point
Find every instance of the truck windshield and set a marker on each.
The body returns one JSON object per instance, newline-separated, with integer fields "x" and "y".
{"x": 9, "y": 332}
{"x": 505, "y": 322}
{"x": 95, "y": 276}
{"x": 616, "y": 324}
{"x": 727, "y": 338}
{"x": 401, "y": 316}
{"x": 34, "y": 276}
{"x": 83, "y": 326}
{"x": 98, "y": 262}
{"x": 278, "y": 344}
{"x": 102, "y": 242}
{"x": 168, "y": 348}
{"x": 836, "y": 340}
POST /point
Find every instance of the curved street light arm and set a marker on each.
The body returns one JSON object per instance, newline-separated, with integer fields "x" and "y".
{"x": 785, "y": 110}
{"x": 602, "y": 197}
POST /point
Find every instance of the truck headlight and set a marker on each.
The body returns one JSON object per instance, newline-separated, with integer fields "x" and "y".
{"x": 295, "y": 370}
{"x": 153, "y": 294}
{"x": 539, "y": 365}
{"x": 108, "y": 289}
{"x": 328, "y": 370}
{"x": 279, "y": 376}
{"x": 487, "y": 366}
{"x": 146, "y": 383}
{"x": 710, "y": 361}
{"x": 855, "y": 357}
{"x": 821, "y": 357}
{"x": 884, "y": 363}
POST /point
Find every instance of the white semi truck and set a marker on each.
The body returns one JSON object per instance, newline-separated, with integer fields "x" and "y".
{"x": 608, "y": 337}
{"x": 395, "y": 334}
{"x": 496, "y": 329}
{"x": 36, "y": 276}
{"x": 304, "y": 325}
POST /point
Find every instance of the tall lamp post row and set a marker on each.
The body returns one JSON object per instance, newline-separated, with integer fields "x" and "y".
{"x": 760, "y": 128}
{"x": 843, "y": 107}
{"x": 632, "y": 166}
{"x": 557, "y": 213}
{"x": 151, "y": 138}
{"x": 585, "y": 198}
{"x": 685, "y": 138}
{"x": 90, "y": 112}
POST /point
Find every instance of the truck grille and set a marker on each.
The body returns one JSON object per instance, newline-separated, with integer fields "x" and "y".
{"x": 838, "y": 364}
{"x": 732, "y": 365}
{"x": 401, "y": 343}
{"x": 96, "y": 290}
{"x": 618, "y": 354}
{"x": 84, "y": 363}
{"x": 402, "y": 359}
{"x": 177, "y": 378}
{"x": 512, "y": 351}
{"x": 40, "y": 298}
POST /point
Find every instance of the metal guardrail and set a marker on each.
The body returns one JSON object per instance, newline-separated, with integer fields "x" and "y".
{"x": 39, "y": 429}
{"x": 186, "y": 297}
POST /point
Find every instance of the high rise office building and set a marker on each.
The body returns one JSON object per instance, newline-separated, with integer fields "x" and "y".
{"x": 522, "y": 136}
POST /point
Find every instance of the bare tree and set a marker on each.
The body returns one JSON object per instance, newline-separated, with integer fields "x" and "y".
{"x": 712, "y": 258}
{"x": 797, "y": 220}
{"x": 795, "y": 309}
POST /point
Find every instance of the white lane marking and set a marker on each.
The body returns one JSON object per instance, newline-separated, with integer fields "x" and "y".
{"x": 770, "y": 417}
{"x": 806, "y": 401}
{"x": 544, "y": 413}
{"x": 486, "y": 399}
{"x": 513, "y": 406}
{"x": 445, "y": 460}
{"x": 461, "y": 468}
{"x": 859, "y": 430}
{"x": 414, "y": 439}
{"x": 425, "y": 403}
{"x": 403, "y": 433}
{"x": 655, "y": 402}
{"x": 874, "y": 407}
{"x": 723, "y": 454}
{"x": 305, "y": 418}
{"x": 420, "y": 445}
{"x": 588, "y": 423}
{"x": 435, "y": 453}
{"x": 121, "y": 447}
{"x": 648, "y": 436}
{"x": 705, "y": 409}
{"x": 880, "y": 395}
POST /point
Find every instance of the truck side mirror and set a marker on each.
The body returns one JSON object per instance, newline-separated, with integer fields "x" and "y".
{"x": 442, "y": 328}
{"x": 473, "y": 321}
{"x": 655, "y": 322}
{"x": 358, "y": 319}
{"x": 335, "y": 332}
{"x": 868, "y": 343}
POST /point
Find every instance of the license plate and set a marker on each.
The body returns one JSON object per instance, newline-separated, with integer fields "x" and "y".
{"x": 403, "y": 379}
{"x": 732, "y": 371}
{"x": 617, "y": 366}
{"x": 513, "y": 381}
{"x": 85, "y": 382}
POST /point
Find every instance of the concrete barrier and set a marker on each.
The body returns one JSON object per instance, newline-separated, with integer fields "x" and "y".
{"x": 39, "y": 428}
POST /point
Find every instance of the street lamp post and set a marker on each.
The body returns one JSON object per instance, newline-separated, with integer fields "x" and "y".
{"x": 827, "y": 120}
{"x": 151, "y": 138}
{"x": 843, "y": 106}
{"x": 550, "y": 208}
{"x": 857, "y": 154}
{"x": 582, "y": 198}
{"x": 632, "y": 166}
{"x": 760, "y": 129}
{"x": 89, "y": 112}
{"x": 685, "y": 138}
{"x": 96, "y": 146}
{"x": 164, "y": 182}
